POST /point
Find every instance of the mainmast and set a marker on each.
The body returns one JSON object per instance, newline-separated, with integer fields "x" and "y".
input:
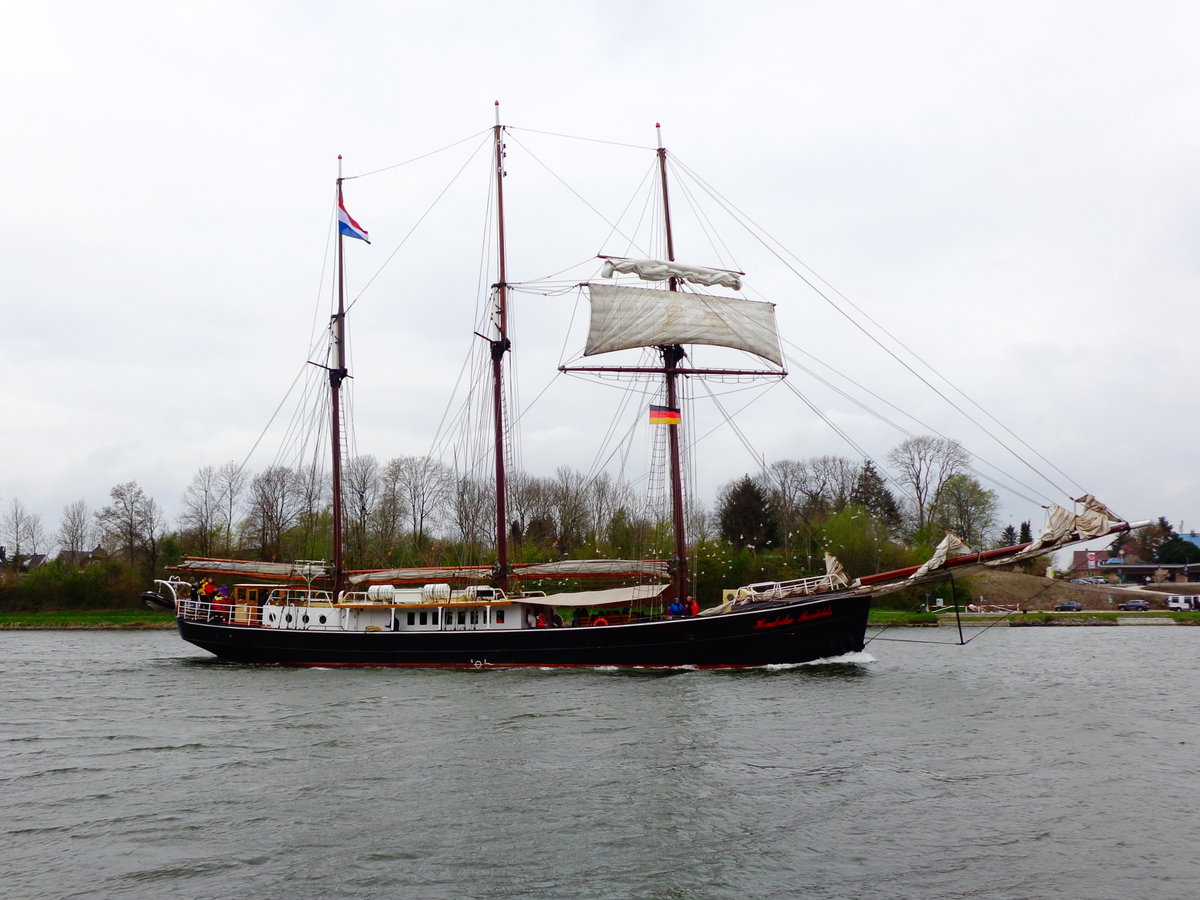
{"x": 624, "y": 318}
{"x": 500, "y": 345}
{"x": 337, "y": 373}
{"x": 672, "y": 355}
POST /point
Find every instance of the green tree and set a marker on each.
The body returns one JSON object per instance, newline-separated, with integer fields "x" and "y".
{"x": 1008, "y": 536}
{"x": 745, "y": 517}
{"x": 1177, "y": 550}
{"x": 965, "y": 507}
{"x": 861, "y": 542}
{"x": 872, "y": 494}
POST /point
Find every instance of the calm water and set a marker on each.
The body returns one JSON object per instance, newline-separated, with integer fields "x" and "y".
{"x": 1031, "y": 763}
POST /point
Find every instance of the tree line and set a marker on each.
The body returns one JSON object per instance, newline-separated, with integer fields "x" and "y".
{"x": 414, "y": 510}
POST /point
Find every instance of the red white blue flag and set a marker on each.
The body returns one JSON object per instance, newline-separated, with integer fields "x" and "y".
{"x": 347, "y": 225}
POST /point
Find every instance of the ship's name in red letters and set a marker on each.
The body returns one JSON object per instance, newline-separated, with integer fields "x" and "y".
{"x": 783, "y": 621}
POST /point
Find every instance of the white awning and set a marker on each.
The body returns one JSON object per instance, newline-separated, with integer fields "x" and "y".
{"x": 612, "y": 597}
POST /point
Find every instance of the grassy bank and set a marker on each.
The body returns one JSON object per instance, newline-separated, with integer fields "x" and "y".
{"x": 88, "y": 618}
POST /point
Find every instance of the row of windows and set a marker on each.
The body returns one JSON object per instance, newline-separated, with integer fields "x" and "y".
{"x": 423, "y": 617}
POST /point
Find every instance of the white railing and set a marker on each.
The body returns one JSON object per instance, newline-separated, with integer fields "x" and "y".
{"x": 777, "y": 590}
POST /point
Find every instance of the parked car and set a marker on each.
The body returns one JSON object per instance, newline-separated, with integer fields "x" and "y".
{"x": 1129, "y": 605}
{"x": 1069, "y": 606}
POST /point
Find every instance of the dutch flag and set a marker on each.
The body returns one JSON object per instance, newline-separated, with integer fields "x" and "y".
{"x": 347, "y": 225}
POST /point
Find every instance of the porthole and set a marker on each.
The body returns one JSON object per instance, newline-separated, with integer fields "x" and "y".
{"x": 304, "y": 618}
{"x": 321, "y": 620}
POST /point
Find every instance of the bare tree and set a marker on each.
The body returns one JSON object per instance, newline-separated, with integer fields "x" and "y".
{"x": 391, "y": 512}
{"x": 22, "y": 531}
{"x": 832, "y": 482}
{"x": 76, "y": 531}
{"x": 789, "y": 487}
{"x": 922, "y": 466}
{"x": 315, "y": 493}
{"x": 276, "y": 503}
{"x": 231, "y": 486}
{"x": 473, "y": 509}
{"x": 361, "y": 491}
{"x": 202, "y": 507}
{"x": 132, "y": 524}
{"x": 605, "y": 495}
{"x": 154, "y": 526}
{"x": 425, "y": 485}
{"x": 568, "y": 493}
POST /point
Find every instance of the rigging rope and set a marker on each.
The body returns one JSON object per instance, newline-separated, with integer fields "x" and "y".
{"x": 770, "y": 244}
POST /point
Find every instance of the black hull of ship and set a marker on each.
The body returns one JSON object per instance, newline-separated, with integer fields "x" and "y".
{"x": 778, "y": 633}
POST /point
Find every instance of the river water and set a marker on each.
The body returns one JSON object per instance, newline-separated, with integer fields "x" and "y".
{"x": 1036, "y": 762}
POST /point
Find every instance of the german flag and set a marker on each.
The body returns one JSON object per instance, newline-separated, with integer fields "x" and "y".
{"x": 664, "y": 415}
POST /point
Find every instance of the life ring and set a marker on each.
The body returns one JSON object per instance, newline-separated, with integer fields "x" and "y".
{"x": 600, "y": 621}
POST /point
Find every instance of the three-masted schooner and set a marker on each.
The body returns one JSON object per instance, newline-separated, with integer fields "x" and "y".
{"x": 412, "y": 617}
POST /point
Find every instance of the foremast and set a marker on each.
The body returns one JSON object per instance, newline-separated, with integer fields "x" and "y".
{"x": 337, "y": 374}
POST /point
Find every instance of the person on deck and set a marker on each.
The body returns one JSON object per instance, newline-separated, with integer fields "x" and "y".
{"x": 221, "y": 605}
{"x": 693, "y": 608}
{"x": 675, "y": 610}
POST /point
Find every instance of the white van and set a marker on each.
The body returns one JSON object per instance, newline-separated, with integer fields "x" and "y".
{"x": 1183, "y": 602}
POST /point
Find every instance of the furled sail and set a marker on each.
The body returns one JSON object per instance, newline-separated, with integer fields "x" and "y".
{"x": 563, "y": 568}
{"x": 659, "y": 270}
{"x": 625, "y": 317}
{"x": 247, "y": 568}
{"x": 951, "y": 543}
{"x": 421, "y": 575}
{"x": 578, "y": 568}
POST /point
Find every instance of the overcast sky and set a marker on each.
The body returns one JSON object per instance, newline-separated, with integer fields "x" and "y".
{"x": 1011, "y": 189}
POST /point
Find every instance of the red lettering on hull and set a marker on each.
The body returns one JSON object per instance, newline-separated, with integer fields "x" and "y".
{"x": 784, "y": 621}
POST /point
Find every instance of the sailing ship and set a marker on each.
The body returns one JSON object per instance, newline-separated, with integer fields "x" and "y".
{"x": 313, "y": 613}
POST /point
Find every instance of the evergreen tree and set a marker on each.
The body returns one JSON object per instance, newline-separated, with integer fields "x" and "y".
{"x": 1026, "y": 534}
{"x": 745, "y": 516}
{"x": 1008, "y": 536}
{"x": 871, "y": 493}
{"x": 1177, "y": 550}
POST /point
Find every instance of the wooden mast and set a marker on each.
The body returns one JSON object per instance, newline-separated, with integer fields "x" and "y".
{"x": 500, "y": 346}
{"x": 672, "y": 355}
{"x": 337, "y": 373}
